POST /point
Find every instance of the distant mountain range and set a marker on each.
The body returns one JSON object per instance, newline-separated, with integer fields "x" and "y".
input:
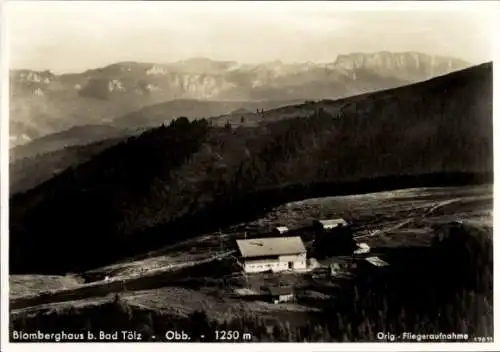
{"x": 43, "y": 103}
{"x": 136, "y": 121}
{"x": 188, "y": 177}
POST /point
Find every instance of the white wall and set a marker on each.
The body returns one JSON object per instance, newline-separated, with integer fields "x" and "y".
{"x": 283, "y": 298}
{"x": 300, "y": 265}
{"x": 299, "y": 262}
{"x": 331, "y": 226}
{"x": 260, "y": 266}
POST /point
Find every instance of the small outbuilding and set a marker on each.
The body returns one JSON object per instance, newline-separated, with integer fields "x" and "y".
{"x": 373, "y": 265}
{"x": 333, "y": 237}
{"x": 330, "y": 224}
{"x": 363, "y": 248}
{"x": 281, "y": 294}
{"x": 377, "y": 262}
{"x": 280, "y": 230}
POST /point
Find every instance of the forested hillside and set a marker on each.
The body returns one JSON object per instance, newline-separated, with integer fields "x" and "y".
{"x": 187, "y": 177}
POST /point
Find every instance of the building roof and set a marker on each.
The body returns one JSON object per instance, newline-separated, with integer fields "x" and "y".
{"x": 376, "y": 261}
{"x": 280, "y": 290}
{"x": 260, "y": 247}
{"x": 281, "y": 229}
{"x": 331, "y": 222}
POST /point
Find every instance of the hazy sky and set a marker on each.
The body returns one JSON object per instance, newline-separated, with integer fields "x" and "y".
{"x": 74, "y": 36}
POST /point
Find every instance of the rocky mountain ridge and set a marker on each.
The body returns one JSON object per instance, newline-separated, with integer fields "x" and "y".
{"x": 43, "y": 102}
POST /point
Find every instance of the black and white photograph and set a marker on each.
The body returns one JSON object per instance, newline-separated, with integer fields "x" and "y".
{"x": 248, "y": 172}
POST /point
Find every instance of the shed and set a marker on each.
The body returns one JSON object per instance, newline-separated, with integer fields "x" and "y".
{"x": 329, "y": 224}
{"x": 373, "y": 267}
{"x": 362, "y": 248}
{"x": 280, "y": 230}
{"x": 281, "y": 294}
{"x": 333, "y": 237}
{"x": 376, "y": 261}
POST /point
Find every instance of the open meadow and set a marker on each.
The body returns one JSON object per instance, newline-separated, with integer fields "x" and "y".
{"x": 201, "y": 274}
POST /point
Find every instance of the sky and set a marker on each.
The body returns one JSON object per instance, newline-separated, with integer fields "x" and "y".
{"x": 73, "y": 36}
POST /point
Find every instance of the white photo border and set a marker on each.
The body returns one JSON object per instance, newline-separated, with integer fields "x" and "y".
{"x": 490, "y": 7}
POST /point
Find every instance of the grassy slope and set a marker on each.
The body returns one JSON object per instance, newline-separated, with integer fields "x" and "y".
{"x": 118, "y": 202}
{"x": 423, "y": 296}
{"x": 384, "y": 213}
{"x": 34, "y": 284}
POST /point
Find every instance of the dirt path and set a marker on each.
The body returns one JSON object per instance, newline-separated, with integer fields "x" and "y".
{"x": 387, "y": 229}
{"x": 152, "y": 279}
{"x": 427, "y": 213}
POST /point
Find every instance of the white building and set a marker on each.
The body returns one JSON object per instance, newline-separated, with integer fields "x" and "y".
{"x": 280, "y": 230}
{"x": 376, "y": 261}
{"x": 330, "y": 224}
{"x": 281, "y": 294}
{"x": 272, "y": 254}
{"x": 362, "y": 248}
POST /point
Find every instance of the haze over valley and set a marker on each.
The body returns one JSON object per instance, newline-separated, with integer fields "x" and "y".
{"x": 43, "y": 103}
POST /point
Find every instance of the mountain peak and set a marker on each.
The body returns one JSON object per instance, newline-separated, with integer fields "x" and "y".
{"x": 412, "y": 64}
